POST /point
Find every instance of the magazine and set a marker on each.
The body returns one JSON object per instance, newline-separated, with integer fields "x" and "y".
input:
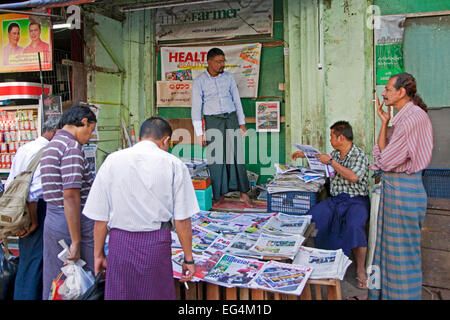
{"x": 287, "y": 224}
{"x": 202, "y": 239}
{"x": 282, "y": 277}
{"x": 232, "y": 271}
{"x": 277, "y": 245}
{"x": 326, "y": 264}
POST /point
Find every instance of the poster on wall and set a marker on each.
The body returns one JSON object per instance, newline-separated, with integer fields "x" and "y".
{"x": 52, "y": 106}
{"x": 267, "y": 116}
{"x": 174, "y": 93}
{"x": 22, "y": 37}
{"x": 90, "y": 152}
{"x": 228, "y": 19}
{"x": 389, "y": 47}
{"x": 242, "y": 61}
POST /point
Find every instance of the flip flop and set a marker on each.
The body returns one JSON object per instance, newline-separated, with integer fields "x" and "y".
{"x": 353, "y": 298}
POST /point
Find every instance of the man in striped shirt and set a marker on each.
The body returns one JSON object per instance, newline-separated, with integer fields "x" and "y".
{"x": 401, "y": 153}
{"x": 66, "y": 181}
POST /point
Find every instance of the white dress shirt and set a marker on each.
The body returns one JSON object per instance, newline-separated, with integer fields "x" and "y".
{"x": 139, "y": 187}
{"x": 23, "y": 157}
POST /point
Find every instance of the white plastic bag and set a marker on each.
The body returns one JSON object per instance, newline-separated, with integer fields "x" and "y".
{"x": 77, "y": 279}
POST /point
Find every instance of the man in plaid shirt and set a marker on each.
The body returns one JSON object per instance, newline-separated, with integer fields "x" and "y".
{"x": 341, "y": 218}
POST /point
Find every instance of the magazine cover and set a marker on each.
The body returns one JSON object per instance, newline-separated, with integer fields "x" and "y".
{"x": 232, "y": 271}
{"x": 282, "y": 277}
{"x": 277, "y": 245}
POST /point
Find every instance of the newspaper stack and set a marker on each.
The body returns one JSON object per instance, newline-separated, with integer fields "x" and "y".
{"x": 287, "y": 224}
{"x": 285, "y": 183}
{"x": 277, "y": 245}
{"x": 282, "y": 277}
{"x": 197, "y": 167}
{"x": 326, "y": 264}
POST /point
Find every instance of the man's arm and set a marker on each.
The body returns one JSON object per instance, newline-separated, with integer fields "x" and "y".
{"x": 184, "y": 232}
{"x": 345, "y": 172}
{"x": 100, "y": 232}
{"x": 72, "y": 211}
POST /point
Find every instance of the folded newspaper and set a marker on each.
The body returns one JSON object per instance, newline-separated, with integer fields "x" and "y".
{"x": 287, "y": 224}
{"x": 326, "y": 264}
{"x": 277, "y": 245}
{"x": 282, "y": 277}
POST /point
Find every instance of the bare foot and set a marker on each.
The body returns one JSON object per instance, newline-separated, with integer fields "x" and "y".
{"x": 246, "y": 199}
{"x": 220, "y": 201}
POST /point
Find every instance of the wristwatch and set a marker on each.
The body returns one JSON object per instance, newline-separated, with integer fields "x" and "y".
{"x": 188, "y": 262}
{"x": 330, "y": 161}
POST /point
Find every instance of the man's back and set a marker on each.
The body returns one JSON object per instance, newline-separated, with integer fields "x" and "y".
{"x": 140, "y": 187}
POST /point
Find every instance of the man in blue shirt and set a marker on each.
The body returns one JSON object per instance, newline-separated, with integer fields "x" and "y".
{"x": 216, "y": 96}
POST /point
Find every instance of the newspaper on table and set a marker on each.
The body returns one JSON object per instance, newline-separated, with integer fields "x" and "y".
{"x": 313, "y": 161}
{"x": 241, "y": 244}
{"x": 287, "y": 224}
{"x": 225, "y": 228}
{"x": 252, "y": 222}
{"x": 233, "y": 271}
{"x": 282, "y": 277}
{"x": 220, "y": 244}
{"x": 203, "y": 265}
{"x": 202, "y": 239}
{"x": 326, "y": 264}
{"x": 277, "y": 245}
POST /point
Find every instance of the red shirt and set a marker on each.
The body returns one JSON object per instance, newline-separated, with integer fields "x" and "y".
{"x": 410, "y": 142}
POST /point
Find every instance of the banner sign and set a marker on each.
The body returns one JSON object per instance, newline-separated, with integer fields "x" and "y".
{"x": 174, "y": 93}
{"x": 22, "y": 37}
{"x": 389, "y": 47}
{"x": 242, "y": 61}
{"x": 215, "y": 20}
{"x": 23, "y": 90}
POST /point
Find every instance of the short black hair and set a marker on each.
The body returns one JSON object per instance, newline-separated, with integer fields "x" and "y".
{"x": 214, "y": 52}
{"x": 75, "y": 114}
{"x": 344, "y": 128}
{"x": 155, "y": 128}
{"x": 12, "y": 25}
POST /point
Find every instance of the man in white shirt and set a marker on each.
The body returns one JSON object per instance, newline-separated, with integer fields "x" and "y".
{"x": 136, "y": 194}
{"x": 28, "y": 283}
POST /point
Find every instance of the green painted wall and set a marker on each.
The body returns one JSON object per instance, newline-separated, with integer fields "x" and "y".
{"x": 411, "y": 6}
{"x": 334, "y": 34}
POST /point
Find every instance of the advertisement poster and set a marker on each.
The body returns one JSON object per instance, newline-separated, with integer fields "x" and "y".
{"x": 268, "y": 116}
{"x": 389, "y": 48}
{"x": 228, "y": 19}
{"x": 174, "y": 93}
{"x": 90, "y": 152}
{"x": 242, "y": 61}
{"x": 52, "y": 106}
{"x": 22, "y": 37}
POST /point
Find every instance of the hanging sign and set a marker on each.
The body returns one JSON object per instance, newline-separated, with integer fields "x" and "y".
{"x": 187, "y": 63}
{"x": 389, "y": 47}
{"x": 174, "y": 93}
{"x": 215, "y": 20}
{"x": 22, "y": 37}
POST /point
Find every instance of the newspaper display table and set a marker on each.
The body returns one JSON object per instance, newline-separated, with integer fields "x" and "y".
{"x": 314, "y": 289}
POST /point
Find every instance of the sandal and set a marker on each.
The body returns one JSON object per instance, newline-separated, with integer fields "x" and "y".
{"x": 362, "y": 284}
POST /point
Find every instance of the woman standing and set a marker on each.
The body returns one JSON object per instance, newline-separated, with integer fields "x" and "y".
{"x": 402, "y": 152}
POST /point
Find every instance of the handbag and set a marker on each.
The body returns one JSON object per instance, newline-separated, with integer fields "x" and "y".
{"x": 97, "y": 290}
{"x": 8, "y": 271}
{"x": 14, "y": 215}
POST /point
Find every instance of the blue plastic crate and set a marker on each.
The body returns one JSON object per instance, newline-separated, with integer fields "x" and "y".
{"x": 437, "y": 182}
{"x": 292, "y": 202}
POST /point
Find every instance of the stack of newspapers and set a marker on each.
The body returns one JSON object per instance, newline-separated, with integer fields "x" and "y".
{"x": 326, "y": 264}
{"x": 291, "y": 178}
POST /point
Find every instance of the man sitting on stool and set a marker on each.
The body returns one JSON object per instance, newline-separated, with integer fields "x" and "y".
{"x": 341, "y": 218}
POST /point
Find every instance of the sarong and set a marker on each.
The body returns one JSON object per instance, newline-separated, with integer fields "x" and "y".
{"x": 397, "y": 264}
{"x": 226, "y": 160}
{"x": 55, "y": 229}
{"x": 139, "y": 266}
{"x": 28, "y": 283}
{"x": 341, "y": 222}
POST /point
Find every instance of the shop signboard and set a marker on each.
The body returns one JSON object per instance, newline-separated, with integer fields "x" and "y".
{"x": 227, "y": 19}
{"x": 242, "y": 61}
